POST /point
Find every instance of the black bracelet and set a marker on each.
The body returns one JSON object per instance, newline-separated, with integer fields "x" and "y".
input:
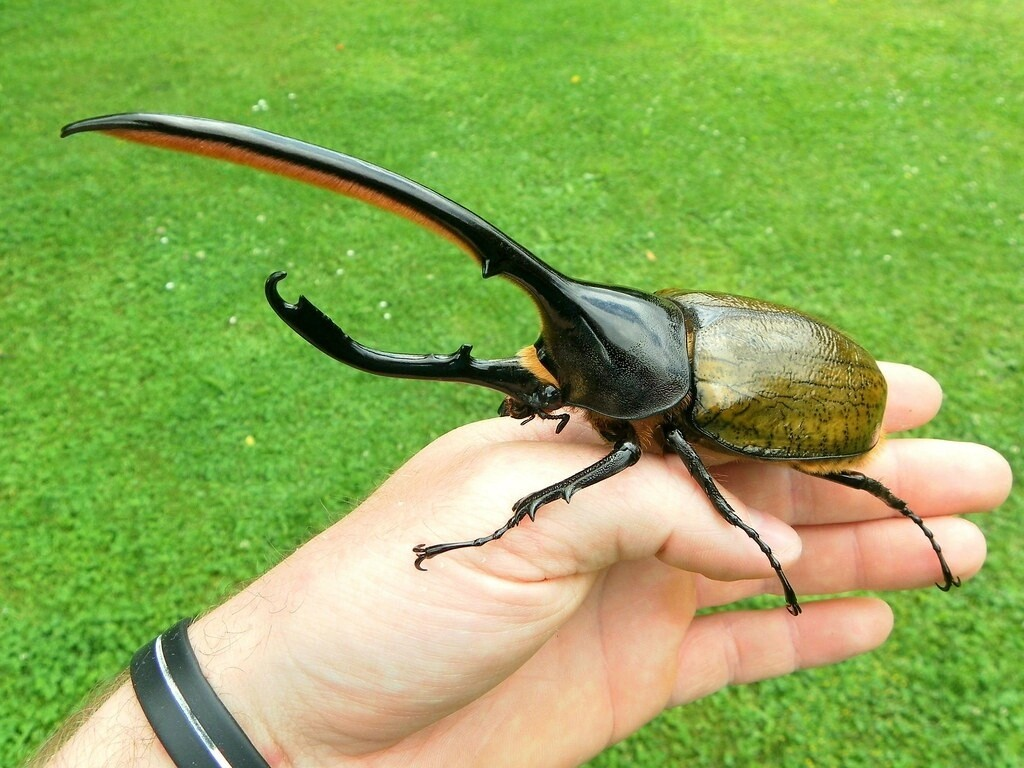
{"x": 193, "y": 724}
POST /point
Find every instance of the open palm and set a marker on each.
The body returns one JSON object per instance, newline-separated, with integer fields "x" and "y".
{"x": 574, "y": 630}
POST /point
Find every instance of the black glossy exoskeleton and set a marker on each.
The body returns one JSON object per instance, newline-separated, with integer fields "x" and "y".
{"x": 666, "y": 370}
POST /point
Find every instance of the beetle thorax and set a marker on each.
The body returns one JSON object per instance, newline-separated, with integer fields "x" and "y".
{"x": 615, "y": 351}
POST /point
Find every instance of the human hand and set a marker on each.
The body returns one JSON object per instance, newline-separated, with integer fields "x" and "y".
{"x": 574, "y": 630}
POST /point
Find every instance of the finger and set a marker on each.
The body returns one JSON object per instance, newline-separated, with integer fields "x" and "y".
{"x": 935, "y": 477}
{"x": 878, "y": 555}
{"x": 914, "y": 397}
{"x": 737, "y": 647}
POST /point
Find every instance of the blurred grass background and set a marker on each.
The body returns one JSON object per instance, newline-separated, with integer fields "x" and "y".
{"x": 164, "y": 438}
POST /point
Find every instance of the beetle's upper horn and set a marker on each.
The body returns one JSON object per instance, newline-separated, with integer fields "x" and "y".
{"x": 497, "y": 252}
{"x": 606, "y": 346}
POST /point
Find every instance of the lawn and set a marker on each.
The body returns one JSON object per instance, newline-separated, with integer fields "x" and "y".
{"x": 163, "y": 438}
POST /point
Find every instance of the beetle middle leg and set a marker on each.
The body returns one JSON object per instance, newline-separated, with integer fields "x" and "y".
{"x": 624, "y": 455}
{"x": 862, "y": 482}
{"x": 681, "y": 447}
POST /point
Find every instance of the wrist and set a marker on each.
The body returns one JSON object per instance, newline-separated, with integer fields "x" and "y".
{"x": 119, "y": 732}
{"x": 233, "y": 658}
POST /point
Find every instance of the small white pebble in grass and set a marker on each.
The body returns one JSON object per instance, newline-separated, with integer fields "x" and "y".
{"x": 291, "y": 97}
{"x": 430, "y": 275}
{"x": 165, "y": 240}
{"x": 886, "y": 257}
{"x": 260, "y": 106}
{"x": 200, "y": 254}
{"x": 339, "y": 271}
{"x": 350, "y": 252}
{"x": 769, "y": 230}
{"x": 244, "y": 544}
{"x": 897, "y": 233}
{"x": 387, "y": 315}
{"x": 232, "y": 320}
{"x": 169, "y": 285}
{"x": 261, "y": 219}
{"x": 382, "y": 305}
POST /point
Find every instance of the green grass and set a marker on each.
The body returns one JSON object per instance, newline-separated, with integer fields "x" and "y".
{"x": 862, "y": 161}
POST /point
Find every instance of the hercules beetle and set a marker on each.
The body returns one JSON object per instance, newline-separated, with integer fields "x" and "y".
{"x": 665, "y": 370}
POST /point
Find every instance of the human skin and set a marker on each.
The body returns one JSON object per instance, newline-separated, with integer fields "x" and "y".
{"x": 574, "y": 630}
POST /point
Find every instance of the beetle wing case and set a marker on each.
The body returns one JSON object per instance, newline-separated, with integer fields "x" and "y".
{"x": 774, "y": 383}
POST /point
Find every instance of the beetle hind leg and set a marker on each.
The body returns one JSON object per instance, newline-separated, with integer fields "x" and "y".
{"x": 862, "y": 482}
{"x": 624, "y": 455}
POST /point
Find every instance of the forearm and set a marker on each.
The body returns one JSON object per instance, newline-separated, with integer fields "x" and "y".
{"x": 112, "y": 732}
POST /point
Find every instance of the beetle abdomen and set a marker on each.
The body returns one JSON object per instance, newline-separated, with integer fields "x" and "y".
{"x": 773, "y": 383}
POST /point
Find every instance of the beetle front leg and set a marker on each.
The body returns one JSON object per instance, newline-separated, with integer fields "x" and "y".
{"x": 862, "y": 482}
{"x": 624, "y": 455}
{"x": 682, "y": 448}
{"x": 527, "y": 412}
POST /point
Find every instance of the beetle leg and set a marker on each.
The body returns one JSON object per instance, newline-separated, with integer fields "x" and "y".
{"x": 862, "y": 482}
{"x": 624, "y": 455}
{"x": 561, "y": 418}
{"x": 682, "y": 448}
{"x": 518, "y": 409}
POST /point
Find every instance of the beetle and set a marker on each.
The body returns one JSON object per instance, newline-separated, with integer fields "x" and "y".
{"x": 668, "y": 370}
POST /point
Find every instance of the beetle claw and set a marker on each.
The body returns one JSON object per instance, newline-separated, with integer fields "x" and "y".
{"x": 420, "y": 550}
{"x": 951, "y": 581}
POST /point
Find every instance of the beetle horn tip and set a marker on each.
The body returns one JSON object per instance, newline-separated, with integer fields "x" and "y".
{"x": 271, "y": 286}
